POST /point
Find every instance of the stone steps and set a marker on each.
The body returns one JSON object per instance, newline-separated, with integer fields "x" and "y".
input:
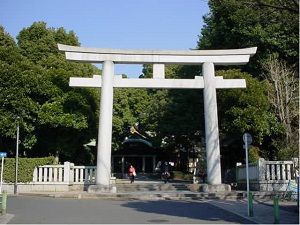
{"x": 159, "y": 195}
{"x": 123, "y": 187}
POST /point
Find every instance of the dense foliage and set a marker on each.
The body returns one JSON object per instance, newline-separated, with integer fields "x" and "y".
{"x": 25, "y": 168}
{"x": 54, "y": 119}
{"x": 271, "y": 25}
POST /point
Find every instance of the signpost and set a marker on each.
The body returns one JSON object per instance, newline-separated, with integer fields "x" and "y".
{"x": 247, "y": 138}
{"x": 2, "y": 155}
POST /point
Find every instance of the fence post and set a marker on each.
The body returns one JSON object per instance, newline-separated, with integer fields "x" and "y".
{"x": 71, "y": 173}
{"x": 250, "y": 202}
{"x": 276, "y": 209}
{"x": 67, "y": 172}
{"x": 35, "y": 172}
{"x": 4, "y": 198}
{"x": 261, "y": 167}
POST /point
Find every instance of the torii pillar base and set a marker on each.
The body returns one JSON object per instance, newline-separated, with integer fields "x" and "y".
{"x": 214, "y": 188}
{"x": 99, "y": 188}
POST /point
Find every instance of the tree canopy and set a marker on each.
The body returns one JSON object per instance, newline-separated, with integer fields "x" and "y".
{"x": 271, "y": 25}
{"x": 55, "y": 119}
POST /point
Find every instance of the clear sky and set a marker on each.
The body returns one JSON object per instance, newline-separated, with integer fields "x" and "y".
{"x": 119, "y": 24}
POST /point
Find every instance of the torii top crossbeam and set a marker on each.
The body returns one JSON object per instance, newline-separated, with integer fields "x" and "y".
{"x": 187, "y": 57}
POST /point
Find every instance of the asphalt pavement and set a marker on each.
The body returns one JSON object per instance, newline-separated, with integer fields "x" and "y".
{"x": 143, "y": 211}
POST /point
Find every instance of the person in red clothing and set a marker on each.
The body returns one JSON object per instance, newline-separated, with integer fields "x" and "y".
{"x": 132, "y": 173}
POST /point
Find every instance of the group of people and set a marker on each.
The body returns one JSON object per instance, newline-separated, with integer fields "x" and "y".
{"x": 166, "y": 173}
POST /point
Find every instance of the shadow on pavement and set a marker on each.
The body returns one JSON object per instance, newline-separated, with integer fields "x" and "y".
{"x": 198, "y": 210}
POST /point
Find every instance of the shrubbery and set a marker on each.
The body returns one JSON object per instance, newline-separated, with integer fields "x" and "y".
{"x": 25, "y": 168}
{"x": 178, "y": 175}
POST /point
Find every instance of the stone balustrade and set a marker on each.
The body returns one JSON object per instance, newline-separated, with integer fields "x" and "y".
{"x": 67, "y": 173}
{"x": 267, "y": 175}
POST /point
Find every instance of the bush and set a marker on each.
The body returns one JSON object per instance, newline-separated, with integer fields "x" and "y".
{"x": 254, "y": 154}
{"x": 178, "y": 175}
{"x": 25, "y": 168}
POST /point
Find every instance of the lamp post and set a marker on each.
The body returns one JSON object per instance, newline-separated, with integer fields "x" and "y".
{"x": 17, "y": 153}
{"x": 17, "y": 157}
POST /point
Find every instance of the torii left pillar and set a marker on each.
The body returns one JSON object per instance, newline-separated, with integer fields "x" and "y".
{"x": 105, "y": 125}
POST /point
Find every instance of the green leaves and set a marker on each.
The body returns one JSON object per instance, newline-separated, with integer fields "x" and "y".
{"x": 244, "y": 110}
{"x": 35, "y": 78}
{"x": 269, "y": 25}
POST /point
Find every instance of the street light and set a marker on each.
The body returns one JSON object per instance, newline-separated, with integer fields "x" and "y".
{"x": 17, "y": 153}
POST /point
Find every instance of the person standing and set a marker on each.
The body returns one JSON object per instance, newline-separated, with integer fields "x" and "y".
{"x": 202, "y": 174}
{"x": 132, "y": 173}
{"x": 166, "y": 172}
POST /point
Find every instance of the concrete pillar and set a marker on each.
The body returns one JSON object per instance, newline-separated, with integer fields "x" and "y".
{"x": 105, "y": 125}
{"x": 211, "y": 125}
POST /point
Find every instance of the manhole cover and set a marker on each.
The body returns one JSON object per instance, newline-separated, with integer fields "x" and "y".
{"x": 158, "y": 221}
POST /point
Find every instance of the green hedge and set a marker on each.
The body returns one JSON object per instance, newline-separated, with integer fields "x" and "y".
{"x": 25, "y": 168}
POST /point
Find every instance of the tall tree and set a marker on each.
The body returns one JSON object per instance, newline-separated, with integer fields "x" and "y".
{"x": 271, "y": 25}
{"x": 247, "y": 110}
{"x": 62, "y": 119}
{"x": 283, "y": 94}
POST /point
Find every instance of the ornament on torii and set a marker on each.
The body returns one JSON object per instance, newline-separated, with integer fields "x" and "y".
{"x": 159, "y": 58}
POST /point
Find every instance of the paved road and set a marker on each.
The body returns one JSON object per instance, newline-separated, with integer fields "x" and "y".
{"x": 44, "y": 210}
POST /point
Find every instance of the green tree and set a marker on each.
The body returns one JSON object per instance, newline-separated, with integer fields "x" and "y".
{"x": 175, "y": 115}
{"x": 129, "y": 108}
{"x": 247, "y": 110}
{"x": 21, "y": 83}
{"x": 58, "y": 119}
{"x": 271, "y": 25}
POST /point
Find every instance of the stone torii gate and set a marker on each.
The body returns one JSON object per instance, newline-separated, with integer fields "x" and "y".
{"x": 208, "y": 82}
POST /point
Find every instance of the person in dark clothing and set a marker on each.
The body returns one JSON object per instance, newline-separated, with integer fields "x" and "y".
{"x": 202, "y": 174}
{"x": 166, "y": 172}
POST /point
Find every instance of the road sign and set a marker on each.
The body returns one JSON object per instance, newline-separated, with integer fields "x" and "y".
{"x": 247, "y": 138}
{"x": 3, "y": 154}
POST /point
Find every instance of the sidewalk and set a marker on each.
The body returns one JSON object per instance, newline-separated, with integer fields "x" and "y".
{"x": 263, "y": 210}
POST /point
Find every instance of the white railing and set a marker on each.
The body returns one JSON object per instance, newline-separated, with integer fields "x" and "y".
{"x": 267, "y": 175}
{"x": 67, "y": 173}
{"x": 267, "y": 170}
{"x": 279, "y": 170}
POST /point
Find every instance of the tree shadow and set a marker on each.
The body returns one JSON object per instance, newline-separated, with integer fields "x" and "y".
{"x": 201, "y": 211}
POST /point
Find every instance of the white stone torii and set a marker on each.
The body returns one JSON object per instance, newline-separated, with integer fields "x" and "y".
{"x": 109, "y": 57}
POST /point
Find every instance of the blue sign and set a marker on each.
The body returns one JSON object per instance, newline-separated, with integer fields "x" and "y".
{"x": 3, "y": 154}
